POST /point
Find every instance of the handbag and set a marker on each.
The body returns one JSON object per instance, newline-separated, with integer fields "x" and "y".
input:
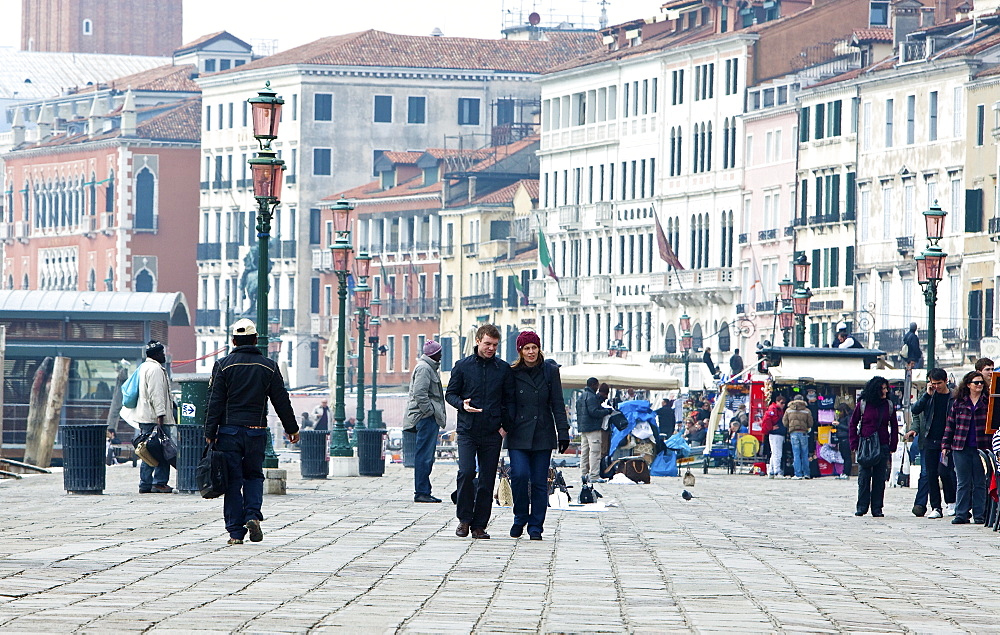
{"x": 130, "y": 390}
{"x": 618, "y": 420}
{"x": 211, "y": 472}
{"x": 869, "y": 450}
{"x": 636, "y": 469}
{"x": 145, "y": 447}
{"x": 169, "y": 449}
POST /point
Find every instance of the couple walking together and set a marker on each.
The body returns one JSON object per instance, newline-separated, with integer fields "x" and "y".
{"x": 494, "y": 399}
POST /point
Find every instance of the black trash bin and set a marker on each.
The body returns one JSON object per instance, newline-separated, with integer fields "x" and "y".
{"x": 409, "y": 448}
{"x": 371, "y": 456}
{"x": 84, "y": 451}
{"x": 314, "y": 458}
{"x": 190, "y": 435}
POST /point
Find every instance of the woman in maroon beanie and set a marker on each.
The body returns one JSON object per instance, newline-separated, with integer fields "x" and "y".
{"x": 539, "y": 425}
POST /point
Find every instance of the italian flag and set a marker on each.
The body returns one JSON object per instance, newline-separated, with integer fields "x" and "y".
{"x": 544, "y": 257}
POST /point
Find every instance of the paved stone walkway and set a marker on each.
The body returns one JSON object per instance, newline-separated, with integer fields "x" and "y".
{"x": 748, "y": 554}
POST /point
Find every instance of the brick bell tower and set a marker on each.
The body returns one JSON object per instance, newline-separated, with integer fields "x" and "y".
{"x": 120, "y": 27}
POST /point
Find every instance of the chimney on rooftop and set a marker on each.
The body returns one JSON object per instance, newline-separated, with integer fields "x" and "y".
{"x": 905, "y": 19}
{"x": 17, "y": 126}
{"x": 128, "y": 118}
{"x": 94, "y": 118}
{"x": 44, "y": 122}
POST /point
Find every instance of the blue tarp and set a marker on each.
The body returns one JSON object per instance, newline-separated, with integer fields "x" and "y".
{"x": 635, "y": 411}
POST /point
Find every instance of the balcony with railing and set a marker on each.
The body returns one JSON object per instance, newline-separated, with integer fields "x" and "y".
{"x": 232, "y": 251}
{"x": 604, "y": 213}
{"x": 602, "y": 288}
{"x": 904, "y": 245}
{"x": 322, "y": 259}
{"x": 568, "y": 289}
{"x": 478, "y": 301}
{"x": 767, "y": 234}
{"x": 207, "y": 317}
{"x": 694, "y": 287}
{"x": 993, "y": 225}
{"x": 470, "y": 250}
{"x": 209, "y": 251}
{"x": 569, "y": 217}
{"x": 741, "y": 309}
{"x": 767, "y": 306}
{"x": 789, "y": 231}
{"x": 447, "y": 304}
{"x": 744, "y": 238}
{"x": 447, "y": 251}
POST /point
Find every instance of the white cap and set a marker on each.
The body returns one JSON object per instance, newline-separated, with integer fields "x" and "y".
{"x": 244, "y": 326}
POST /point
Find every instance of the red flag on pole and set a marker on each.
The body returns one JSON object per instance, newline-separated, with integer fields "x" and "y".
{"x": 667, "y": 254}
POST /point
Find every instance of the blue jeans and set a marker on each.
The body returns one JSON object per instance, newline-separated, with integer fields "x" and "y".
{"x": 970, "y": 493}
{"x": 423, "y": 462}
{"x": 150, "y": 476}
{"x": 800, "y": 453}
{"x": 244, "y": 450}
{"x": 529, "y": 482}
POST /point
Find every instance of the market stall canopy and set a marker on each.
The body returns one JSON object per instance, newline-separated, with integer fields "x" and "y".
{"x": 830, "y": 371}
{"x": 618, "y": 375}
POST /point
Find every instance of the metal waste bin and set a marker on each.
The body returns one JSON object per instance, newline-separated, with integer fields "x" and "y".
{"x": 409, "y": 448}
{"x": 371, "y": 456}
{"x": 190, "y": 435}
{"x": 314, "y": 458}
{"x": 84, "y": 451}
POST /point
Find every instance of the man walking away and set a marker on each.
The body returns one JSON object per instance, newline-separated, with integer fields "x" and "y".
{"x": 241, "y": 384}
{"x": 155, "y": 409}
{"x": 425, "y": 418}
{"x": 665, "y": 418}
{"x": 481, "y": 388}
{"x": 589, "y": 417}
{"x": 931, "y": 412}
{"x": 912, "y": 354}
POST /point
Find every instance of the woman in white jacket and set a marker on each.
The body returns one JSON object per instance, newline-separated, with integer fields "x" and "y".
{"x": 155, "y": 409}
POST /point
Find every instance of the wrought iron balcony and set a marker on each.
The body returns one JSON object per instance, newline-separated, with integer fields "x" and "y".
{"x": 904, "y": 244}
{"x": 209, "y": 251}
{"x": 767, "y": 234}
{"x": 744, "y": 239}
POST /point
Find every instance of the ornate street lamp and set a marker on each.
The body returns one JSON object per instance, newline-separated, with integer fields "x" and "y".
{"x": 930, "y": 270}
{"x": 786, "y": 287}
{"x": 686, "y": 343}
{"x": 786, "y": 319}
{"x": 339, "y": 445}
{"x": 375, "y": 415}
{"x": 934, "y": 222}
{"x": 267, "y": 171}
{"x": 800, "y": 297}
{"x": 362, "y": 300}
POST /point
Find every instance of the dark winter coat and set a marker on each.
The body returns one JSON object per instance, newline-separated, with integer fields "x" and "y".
{"x": 589, "y": 411}
{"x": 241, "y": 384}
{"x": 489, "y": 384}
{"x": 797, "y": 417}
{"x": 540, "y": 413}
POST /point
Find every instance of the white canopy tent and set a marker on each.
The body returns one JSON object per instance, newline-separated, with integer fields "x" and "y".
{"x": 618, "y": 375}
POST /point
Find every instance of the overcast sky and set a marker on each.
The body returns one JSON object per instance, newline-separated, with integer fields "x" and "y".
{"x": 302, "y": 21}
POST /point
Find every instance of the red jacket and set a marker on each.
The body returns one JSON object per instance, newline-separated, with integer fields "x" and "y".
{"x": 772, "y": 417}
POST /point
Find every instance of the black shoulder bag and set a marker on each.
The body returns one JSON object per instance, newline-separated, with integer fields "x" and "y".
{"x": 869, "y": 448}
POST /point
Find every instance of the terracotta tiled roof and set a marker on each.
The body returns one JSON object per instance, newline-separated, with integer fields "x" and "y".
{"x": 181, "y": 123}
{"x": 403, "y": 157}
{"x": 373, "y": 190}
{"x": 506, "y": 194}
{"x": 201, "y": 40}
{"x": 377, "y": 48}
{"x": 874, "y": 34}
{"x": 168, "y": 78}
{"x": 444, "y": 153}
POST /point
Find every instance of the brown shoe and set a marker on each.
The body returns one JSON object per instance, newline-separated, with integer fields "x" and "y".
{"x": 163, "y": 489}
{"x": 480, "y": 534}
{"x": 463, "y": 530}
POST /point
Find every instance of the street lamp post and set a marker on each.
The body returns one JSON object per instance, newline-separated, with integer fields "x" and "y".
{"x": 375, "y": 415}
{"x": 930, "y": 270}
{"x": 686, "y": 343}
{"x": 362, "y": 300}
{"x": 617, "y": 347}
{"x": 339, "y": 445}
{"x": 267, "y": 171}
{"x": 800, "y": 297}
{"x": 786, "y": 317}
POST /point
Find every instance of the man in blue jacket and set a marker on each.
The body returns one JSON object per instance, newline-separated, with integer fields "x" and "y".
{"x": 236, "y": 421}
{"x": 481, "y": 388}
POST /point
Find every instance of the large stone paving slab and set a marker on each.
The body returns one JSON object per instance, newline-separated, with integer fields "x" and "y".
{"x": 356, "y": 554}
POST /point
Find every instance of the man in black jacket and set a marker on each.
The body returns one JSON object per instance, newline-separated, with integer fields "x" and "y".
{"x": 589, "y": 417}
{"x": 481, "y": 388}
{"x": 236, "y": 422}
{"x": 932, "y": 411}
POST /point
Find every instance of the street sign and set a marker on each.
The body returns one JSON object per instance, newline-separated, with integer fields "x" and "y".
{"x": 989, "y": 347}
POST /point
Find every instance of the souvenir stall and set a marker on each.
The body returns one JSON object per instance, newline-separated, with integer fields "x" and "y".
{"x": 825, "y": 377}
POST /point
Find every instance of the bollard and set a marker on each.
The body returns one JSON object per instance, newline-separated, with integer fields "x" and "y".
{"x": 84, "y": 451}
{"x": 371, "y": 454}
{"x": 409, "y": 448}
{"x": 190, "y": 435}
{"x": 313, "y": 455}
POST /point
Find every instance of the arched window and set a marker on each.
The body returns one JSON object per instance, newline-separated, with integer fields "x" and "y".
{"x": 145, "y": 191}
{"x": 92, "y": 280}
{"x": 144, "y": 282}
{"x": 708, "y": 147}
{"x": 88, "y": 27}
{"x": 10, "y": 281}
{"x": 696, "y": 338}
{"x": 109, "y": 282}
{"x": 109, "y": 193}
{"x": 724, "y": 338}
{"x": 92, "y": 191}
{"x": 670, "y": 342}
{"x": 24, "y": 282}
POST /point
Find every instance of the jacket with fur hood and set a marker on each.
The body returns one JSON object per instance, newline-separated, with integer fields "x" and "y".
{"x": 797, "y": 417}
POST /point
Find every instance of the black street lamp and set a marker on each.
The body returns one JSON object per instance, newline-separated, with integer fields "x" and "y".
{"x": 617, "y": 347}
{"x": 362, "y": 300}
{"x": 800, "y": 297}
{"x": 375, "y": 415}
{"x": 339, "y": 445}
{"x": 786, "y": 319}
{"x": 267, "y": 171}
{"x": 930, "y": 271}
{"x": 686, "y": 343}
